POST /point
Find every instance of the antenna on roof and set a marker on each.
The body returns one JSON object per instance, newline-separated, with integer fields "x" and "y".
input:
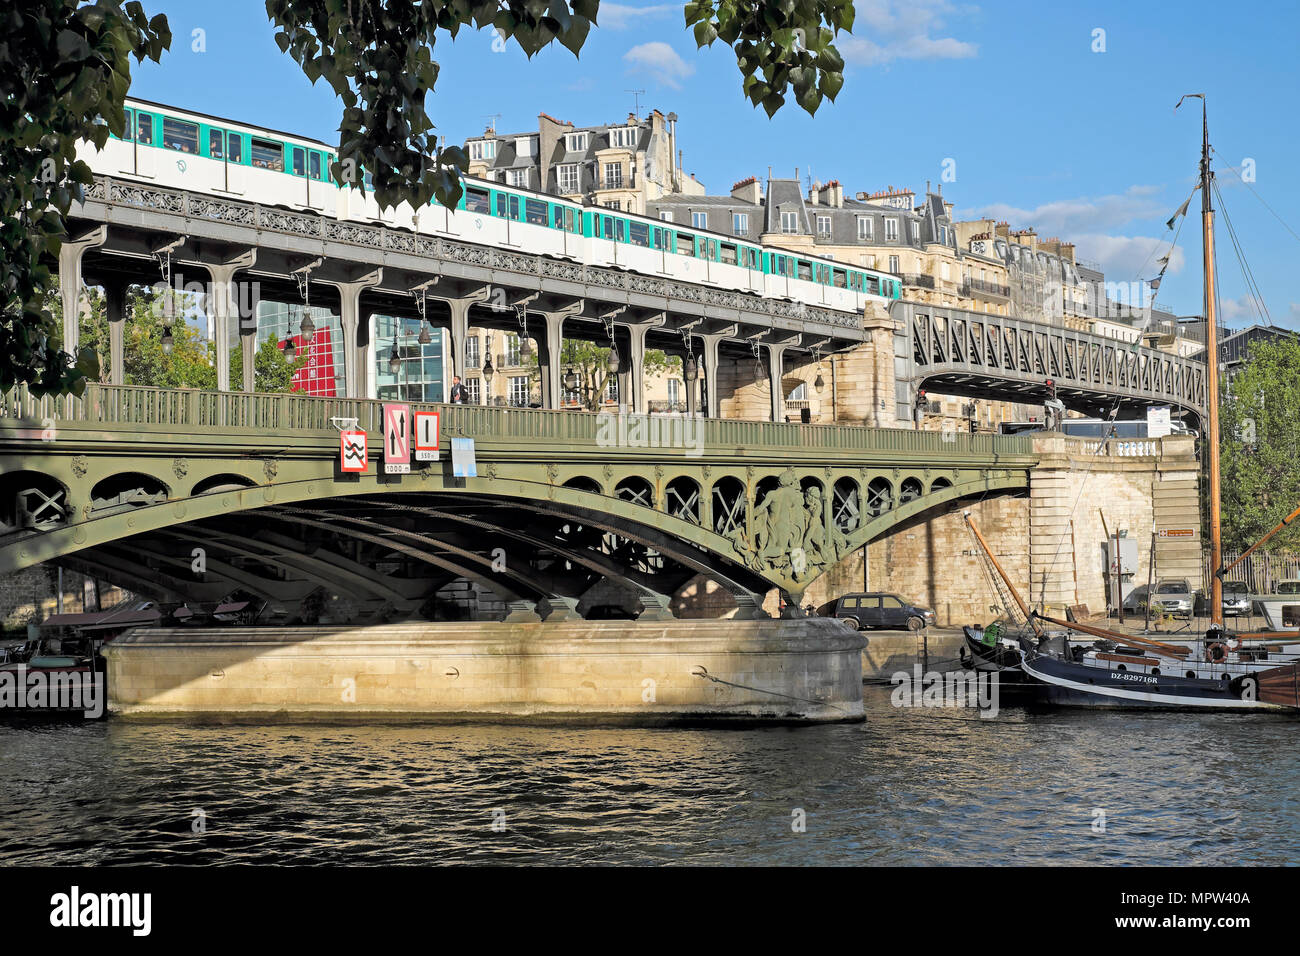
{"x": 492, "y": 122}
{"x": 636, "y": 101}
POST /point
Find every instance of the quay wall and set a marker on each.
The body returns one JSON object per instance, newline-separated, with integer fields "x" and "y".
{"x": 807, "y": 670}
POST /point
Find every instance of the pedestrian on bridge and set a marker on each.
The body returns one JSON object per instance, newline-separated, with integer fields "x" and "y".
{"x": 459, "y": 393}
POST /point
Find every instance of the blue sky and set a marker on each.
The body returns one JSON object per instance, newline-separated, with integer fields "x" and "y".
{"x": 1041, "y": 130}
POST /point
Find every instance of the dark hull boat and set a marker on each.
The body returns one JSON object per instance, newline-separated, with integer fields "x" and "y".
{"x": 992, "y": 650}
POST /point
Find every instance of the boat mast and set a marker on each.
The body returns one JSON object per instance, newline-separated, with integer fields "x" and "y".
{"x": 1211, "y": 370}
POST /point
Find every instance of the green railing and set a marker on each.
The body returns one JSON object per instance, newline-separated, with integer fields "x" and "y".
{"x": 192, "y": 412}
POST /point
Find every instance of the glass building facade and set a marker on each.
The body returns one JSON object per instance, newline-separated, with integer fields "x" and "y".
{"x": 419, "y": 375}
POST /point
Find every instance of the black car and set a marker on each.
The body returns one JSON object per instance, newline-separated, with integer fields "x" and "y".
{"x": 879, "y": 609}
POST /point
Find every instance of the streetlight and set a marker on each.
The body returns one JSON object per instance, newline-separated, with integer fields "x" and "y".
{"x": 613, "y": 362}
{"x": 425, "y": 338}
{"x": 394, "y": 360}
{"x": 290, "y": 351}
{"x": 819, "y": 383}
{"x": 167, "y": 340}
{"x": 692, "y": 370}
{"x": 570, "y": 379}
{"x": 307, "y": 328}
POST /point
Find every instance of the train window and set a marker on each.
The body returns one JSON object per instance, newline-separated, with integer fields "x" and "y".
{"x": 214, "y": 144}
{"x": 728, "y": 253}
{"x": 313, "y": 164}
{"x": 477, "y": 200}
{"x": 685, "y": 244}
{"x": 180, "y": 136}
{"x": 535, "y": 211}
{"x": 299, "y": 162}
{"x": 501, "y": 205}
{"x": 657, "y": 235}
{"x": 712, "y": 252}
{"x": 128, "y": 131}
{"x": 144, "y": 128}
{"x": 803, "y": 270}
{"x": 268, "y": 155}
{"x": 840, "y": 282}
{"x": 572, "y": 222}
{"x": 558, "y": 217}
{"x": 639, "y": 233}
{"x": 235, "y": 148}
{"x": 514, "y": 208}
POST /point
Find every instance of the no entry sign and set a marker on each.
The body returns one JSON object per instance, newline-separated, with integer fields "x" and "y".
{"x": 352, "y": 451}
{"x": 397, "y": 439}
{"x": 426, "y": 436}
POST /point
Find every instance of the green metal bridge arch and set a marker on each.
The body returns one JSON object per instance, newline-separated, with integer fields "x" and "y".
{"x": 126, "y": 482}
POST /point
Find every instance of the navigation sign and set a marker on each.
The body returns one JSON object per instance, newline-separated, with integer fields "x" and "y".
{"x": 397, "y": 439}
{"x": 1176, "y": 533}
{"x": 1159, "y": 423}
{"x": 352, "y": 451}
{"x": 463, "y": 464}
{"x": 426, "y": 436}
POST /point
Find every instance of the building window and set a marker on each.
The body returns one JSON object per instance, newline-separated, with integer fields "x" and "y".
{"x": 740, "y": 223}
{"x": 893, "y": 264}
{"x": 473, "y": 386}
{"x": 611, "y": 389}
{"x": 916, "y": 231}
{"x": 614, "y": 204}
{"x": 613, "y": 175}
{"x": 666, "y": 216}
{"x": 891, "y": 228}
{"x": 823, "y": 225}
{"x": 472, "y": 352}
{"x": 700, "y": 220}
{"x": 517, "y": 177}
{"x": 576, "y": 142}
{"x": 568, "y": 178}
{"x": 518, "y": 390}
{"x": 789, "y": 222}
{"x": 512, "y": 350}
{"x": 624, "y": 136}
{"x": 674, "y": 391}
{"x": 526, "y": 146}
{"x": 864, "y": 227}
{"x": 483, "y": 149}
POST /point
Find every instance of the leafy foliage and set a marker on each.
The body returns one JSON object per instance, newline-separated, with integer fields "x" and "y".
{"x": 779, "y": 44}
{"x": 590, "y": 362}
{"x": 64, "y": 72}
{"x": 1261, "y": 477}
{"x": 273, "y": 370}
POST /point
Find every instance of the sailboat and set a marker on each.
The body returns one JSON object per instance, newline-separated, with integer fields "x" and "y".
{"x": 1105, "y": 668}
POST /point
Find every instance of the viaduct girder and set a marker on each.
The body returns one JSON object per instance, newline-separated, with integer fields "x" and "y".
{"x": 132, "y": 480}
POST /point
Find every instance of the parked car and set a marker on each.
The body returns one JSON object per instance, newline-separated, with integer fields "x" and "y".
{"x": 1236, "y": 598}
{"x": 1290, "y": 586}
{"x": 1173, "y": 596}
{"x": 879, "y": 609}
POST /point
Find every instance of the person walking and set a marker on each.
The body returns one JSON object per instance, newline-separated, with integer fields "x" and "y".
{"x": 459, "y": 393}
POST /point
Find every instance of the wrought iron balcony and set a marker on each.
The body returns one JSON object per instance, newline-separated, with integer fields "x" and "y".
{"x": 978, "y": 287}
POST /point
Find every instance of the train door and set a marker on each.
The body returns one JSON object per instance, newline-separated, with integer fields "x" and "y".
{"x": 145, "y": 141}
{"x": 126, "y": 158}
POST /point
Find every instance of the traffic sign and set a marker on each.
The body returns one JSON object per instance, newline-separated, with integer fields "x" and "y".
{"x": 352, "y": 451}
{"x": 397, "y": 439}
{"x": 426, "y": 436}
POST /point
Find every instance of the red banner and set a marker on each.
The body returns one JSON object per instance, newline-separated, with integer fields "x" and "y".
{"x": 316, "y": 377}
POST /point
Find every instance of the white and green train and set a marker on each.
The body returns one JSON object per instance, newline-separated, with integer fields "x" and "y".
{"x": 193, "y": 151}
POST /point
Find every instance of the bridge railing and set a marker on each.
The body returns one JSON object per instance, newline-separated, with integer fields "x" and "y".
{"x": 191, "y": 411}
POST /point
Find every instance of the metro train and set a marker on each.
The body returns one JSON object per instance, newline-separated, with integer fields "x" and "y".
{"x": 187, "y": 150}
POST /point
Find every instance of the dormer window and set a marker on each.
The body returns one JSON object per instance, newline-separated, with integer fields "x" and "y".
{"x": 575, "y": 142}
{"x": 483, "y": 149}
{"x": 623, "y": 136}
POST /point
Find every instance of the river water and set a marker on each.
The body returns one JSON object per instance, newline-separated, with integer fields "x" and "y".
{"x": 940, "y": 786}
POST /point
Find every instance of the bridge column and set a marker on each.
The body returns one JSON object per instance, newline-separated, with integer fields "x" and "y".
{"x": 70, "y": 254}
{"x": 549, "y": 352}
{"x": 357, "y": 354}
{"x": 712, "y": 399}
{"x": 115, "y": 306}
{"x": 222, "y": 304}
{"x": 775, "y": 367}
{"x": 632, "y": 366}
{"x": 459, "y": 332}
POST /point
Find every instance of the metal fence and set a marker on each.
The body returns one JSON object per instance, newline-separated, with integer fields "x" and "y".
{"x": 1261, "y": 572}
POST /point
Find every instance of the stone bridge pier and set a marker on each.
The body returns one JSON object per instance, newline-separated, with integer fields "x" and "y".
{"x": 1051, "y": 540}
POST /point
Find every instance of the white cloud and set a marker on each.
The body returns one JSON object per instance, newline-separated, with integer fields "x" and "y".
{"x": 660, "y": 62}
{"x": 1127, "y": 258}
{"x": 619, "y": 16}
{"x": 1066, "y": 217}
{"x": 902, "y": 30}
{"x": 1245, "y": 309}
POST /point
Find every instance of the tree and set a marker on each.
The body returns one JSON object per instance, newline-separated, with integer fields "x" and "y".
{"x": 1261, "y": 472}
{"x": 64, "y": 73}
{"x": 65, "y": 70}
{"x": 589, "y": 361}
{"x": 273, "y": 370}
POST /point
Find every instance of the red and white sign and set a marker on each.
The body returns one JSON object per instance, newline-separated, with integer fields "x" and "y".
{"x": 352, "y": 451}
{"x": 397, "y": 439}
{"x": 426, "y": 436}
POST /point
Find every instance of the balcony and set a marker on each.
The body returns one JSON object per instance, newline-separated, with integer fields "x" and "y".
{"x": 920, "y": 281}
{"x": 978, "y": 288}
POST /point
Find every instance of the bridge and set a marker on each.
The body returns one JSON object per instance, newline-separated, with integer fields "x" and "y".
{"x": 202, "y": 497}
{"x": 124, "y": 228}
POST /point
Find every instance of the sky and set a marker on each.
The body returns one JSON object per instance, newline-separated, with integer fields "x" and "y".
{"x": 1054, "y": 116}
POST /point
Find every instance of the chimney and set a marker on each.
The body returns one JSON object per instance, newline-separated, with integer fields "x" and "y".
{"x": 815, "y": 194}
{"x": 833, "y": 194}
{"x": 672, "y": 151}
{"x": 748, "y": 190}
